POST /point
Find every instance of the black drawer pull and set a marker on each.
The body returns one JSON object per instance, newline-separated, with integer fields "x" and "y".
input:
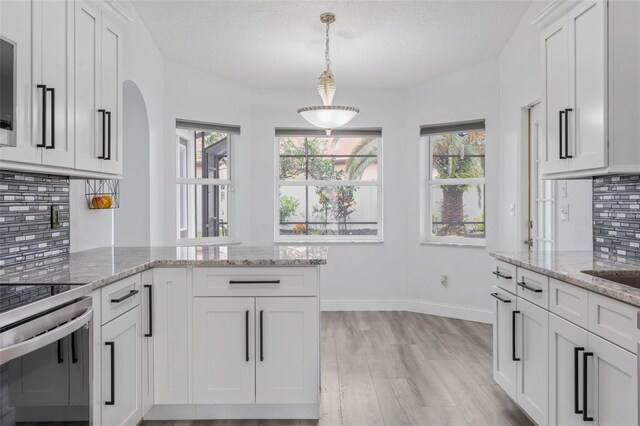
{"x": 104, "y": 137}
{"x": 513, "y": 336}
{"x": 150, "y": 333}
{"x": 566, "y": 132}
{"x": 585, "y": 387}
{"x": 497, "y": 296}
{"x": 528, "y": 287}
{"x": 576, "y": 380}
{"x": 254, "y": 281}
{"x": 108, "y": 156}
{"x": 261, "y": 349}
{"x": 246, "y": 335}
{"x": 125, "y": 297}
{"x": 499, "y": 274}
{"x": 562, "y": 157}
{"x": 43, "y": 144}
{"x": 74, "y": 350}
{"x": 60, "y": 357}
{"x": 112, "y": 400}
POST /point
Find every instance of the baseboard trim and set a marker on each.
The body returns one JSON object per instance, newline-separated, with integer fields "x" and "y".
{"x": 410, "y": 305}
{"x": 233, "y": 411}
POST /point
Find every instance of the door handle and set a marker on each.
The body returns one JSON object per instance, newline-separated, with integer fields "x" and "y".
{"x": 108, "y": 156}
{"x": 562, "y": 157}
{"x": 60, "y": 357}
{"x": 497, "y": 296}
{"x": 246, "y": 335}
{"x": 513, "y": 336}
{"x": 528, "y": 287}
{"x": 566, "y": 132}
{"x": 261, "y": 347}
{"x": 74, "y": 350}
{"x": 104, "y": 150}
{"x": 53, "y": 118}
{"x": 499, "y": 274}
{"x": 43, "y": 144}
{"x": 576, "y": 380}
{"x": 150, "y": 333}
{"x": 125, "y": 297}
{"x": 112, "y": 400}
{"x": 585, "y": 387}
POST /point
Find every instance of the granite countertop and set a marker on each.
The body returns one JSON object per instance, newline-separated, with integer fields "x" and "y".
{"x": 569, "y": 266}
{"x": 102, "y": 266}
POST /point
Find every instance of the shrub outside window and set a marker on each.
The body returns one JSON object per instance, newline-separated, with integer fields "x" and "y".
{"x": 328, "y": 187}
{"x": 453, "y": 183}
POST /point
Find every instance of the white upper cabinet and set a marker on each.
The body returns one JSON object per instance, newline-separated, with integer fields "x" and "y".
{"x": 590, "y": 49}
{"x": 69, "y": 77}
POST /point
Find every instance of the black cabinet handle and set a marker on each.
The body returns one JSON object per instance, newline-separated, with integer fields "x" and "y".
{"x": 246, "y": 335}
{"x": 585, "y": 394}
{"x": 74, "y": 350}
{"x": 108, "y": 156}
{"x": 104, "y": 148}
{"x": 261, "y": 348}
{"x": 112, "y": 400}
{"x": 576, "y": 380}
{"x": 125, "y": 297}
{"x": 562, "y": 157}
{"x": 53, "y": 118}
{"x": 528, "y": 287}
{"x": 497, "y": 296}
{"x": 513, "y": 336}
{"x": 60, "y": 357}
{"x": 499, "y": 274}
{"x": 150, "y": 333}
{"x": 43, "y": 144}
{"x": 254, "y": 281}
{"x": 566, "y": 133}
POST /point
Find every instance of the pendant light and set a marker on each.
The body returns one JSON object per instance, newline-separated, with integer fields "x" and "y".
{"x": 328, "y": 116}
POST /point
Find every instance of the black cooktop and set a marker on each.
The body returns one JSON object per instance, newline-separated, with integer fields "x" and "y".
{"x": 13, "y": 296}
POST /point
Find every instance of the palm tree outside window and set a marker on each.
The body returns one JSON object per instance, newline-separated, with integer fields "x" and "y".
{"x": 454, "y": 183}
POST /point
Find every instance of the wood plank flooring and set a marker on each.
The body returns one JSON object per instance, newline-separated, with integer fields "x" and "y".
{"x": 402, "y": 368}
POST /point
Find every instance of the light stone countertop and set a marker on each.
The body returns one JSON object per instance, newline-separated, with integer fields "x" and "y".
{"x": 568, "y": 266}
{"x": 102, "y": 266}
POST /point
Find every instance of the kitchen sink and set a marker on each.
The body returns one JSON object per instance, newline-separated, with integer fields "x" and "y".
{"x": 630, "y": 278}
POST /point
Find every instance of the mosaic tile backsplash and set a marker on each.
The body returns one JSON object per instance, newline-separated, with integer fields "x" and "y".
{"x": 616, "y": 217}
{"x": 26, "y": 237}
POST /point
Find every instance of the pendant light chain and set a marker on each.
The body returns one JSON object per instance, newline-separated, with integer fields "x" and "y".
{"x": 326, "y": 49}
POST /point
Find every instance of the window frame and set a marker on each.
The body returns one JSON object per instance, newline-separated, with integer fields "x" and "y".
{"x": 207, "y": 181}
{"x": 278, "y": 238}
{"x": 427, "y": 183}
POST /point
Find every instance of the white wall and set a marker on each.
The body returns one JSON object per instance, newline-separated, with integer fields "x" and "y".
{"x": 143, "y": 64}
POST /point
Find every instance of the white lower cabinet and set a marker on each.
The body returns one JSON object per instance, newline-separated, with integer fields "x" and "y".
{"x": 121, "y": 375}
{"x": 567, "y": 344}
{"x": 223, "y": 350}
{"x": 147, "y": 341}
{"x": 532, "y": 324}
{"x": 287, "y": 350}
{"x": 504, "y": 364}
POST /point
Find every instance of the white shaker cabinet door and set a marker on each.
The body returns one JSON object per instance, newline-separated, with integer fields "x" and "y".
{"x": 567, "y": 344}
{"x": 504, "y": 366}
{"x": 555, "y": 65}
{"x": 287, "y": 350}
{"x": 121, "y": 375}
{"x": 532, "y": 336}
{"x": 587, "y": 136}
{"x": 612, "y": 384}
{"x": 170, "y": 336}
{"x": 223, "y": 350}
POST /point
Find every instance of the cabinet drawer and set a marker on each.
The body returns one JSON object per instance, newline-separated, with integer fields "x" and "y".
{"x": 569, "y": 302}
{"x": 237, "y": 281}
{"x": 614, "y": 321}
{"x": 533, "y": 287}
{"x": 504, "y": 275}
{"x": 119, "y": 297}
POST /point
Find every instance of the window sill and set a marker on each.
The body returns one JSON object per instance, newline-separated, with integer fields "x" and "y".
{"x": 452, "y": 244}
{"x": 206, "y": 242}
{"x": 325, "y": 243}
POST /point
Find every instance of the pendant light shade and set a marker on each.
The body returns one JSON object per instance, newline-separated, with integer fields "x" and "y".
{"x": 327, "y": 116}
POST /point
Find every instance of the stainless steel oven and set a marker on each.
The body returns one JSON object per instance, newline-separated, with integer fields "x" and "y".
{"x": 8, "y": 90}
{"x": 46, "y": 354}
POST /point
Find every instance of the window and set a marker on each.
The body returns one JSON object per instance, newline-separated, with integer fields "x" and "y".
{"x": 203, "y": 181}
{"x": 453, "y": 183}
{"x": 329, "y": 187}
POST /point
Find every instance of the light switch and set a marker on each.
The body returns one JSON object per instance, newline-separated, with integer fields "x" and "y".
{"x": 512, "y": 209}
{"x": 564, "y": 212}
{"x": 563, "y": 188}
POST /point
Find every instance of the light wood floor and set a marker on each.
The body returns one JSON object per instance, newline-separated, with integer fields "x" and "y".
{"x": 402, "y": 368}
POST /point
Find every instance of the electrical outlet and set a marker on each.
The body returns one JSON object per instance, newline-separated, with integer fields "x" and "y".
{"x": 564, "y": 212}
{"x": 55, "y": 217}
{"x": 443, "y": 279}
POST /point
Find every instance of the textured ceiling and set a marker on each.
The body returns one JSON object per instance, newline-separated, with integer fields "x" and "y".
{"x": 374, "y": 44}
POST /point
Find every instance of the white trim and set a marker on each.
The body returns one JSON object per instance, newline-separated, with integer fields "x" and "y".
{"x": 232, "y": 411}
{"x": 482, "y": 244}
{"x": 328, "y": 183}
{"x": 411, "y": 305}
{"x": 51, "y": 170}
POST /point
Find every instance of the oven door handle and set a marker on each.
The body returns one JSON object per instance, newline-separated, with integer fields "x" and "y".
{"x": 22, "y": 348}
